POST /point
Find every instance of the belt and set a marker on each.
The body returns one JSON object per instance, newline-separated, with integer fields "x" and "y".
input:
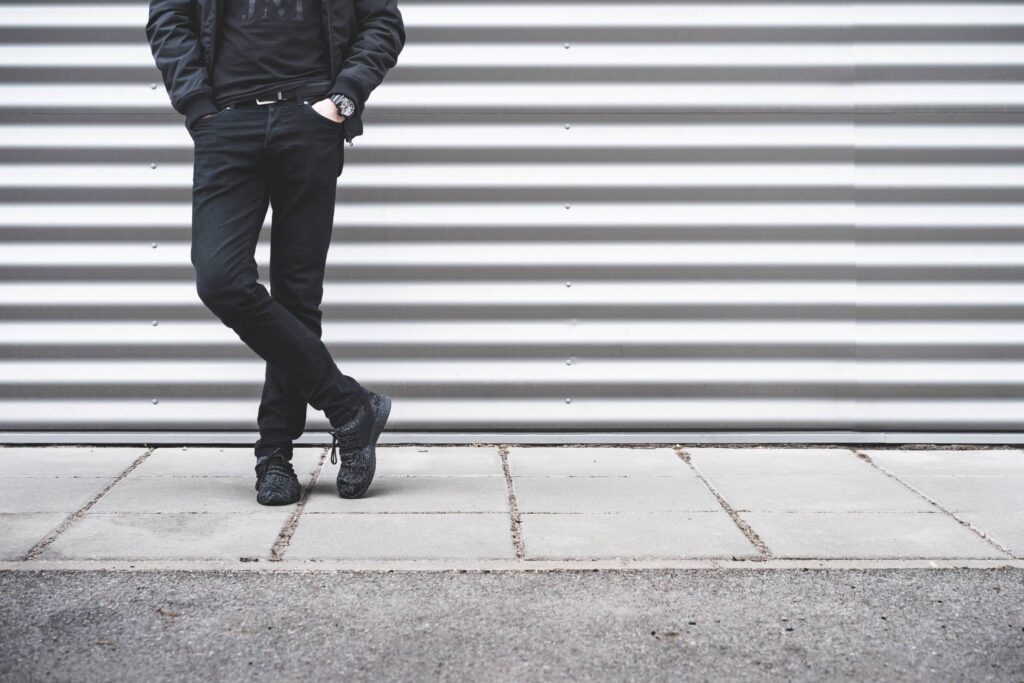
{"x": 273, "y": 96}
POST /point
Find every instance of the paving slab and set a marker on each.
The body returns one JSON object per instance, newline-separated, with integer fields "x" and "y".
{"x": 437, "y": 461}
{"x": 613, "y": 494}
{"x": 184, "y": 536}
{"x": 20, "y": 531}
{"x": 973, "y": 494}
{"x": 182, "y": 494}
{"x": 217, "y": 462}
{"x": 716, "y": 462}
{"x": 634, "y": 535}
{"x": 875, "y": 492}
{"x": 1005, "y": 528}
{"x": 66, "y": 461}
{"x": 415, "y": 494}
{"x": 952, "y": 463}
{"x": 48, "y": 494}
{"x": 868, "y": 535}
{"x": 402, "y": 537}
{"x": 596, "y": 462}
{"x": 441, "y": 503}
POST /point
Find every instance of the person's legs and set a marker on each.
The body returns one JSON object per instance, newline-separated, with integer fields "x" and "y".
{"x": 303, "y": 192}
{"x": 307, "y": 155}
{"x": 233, "y": 177}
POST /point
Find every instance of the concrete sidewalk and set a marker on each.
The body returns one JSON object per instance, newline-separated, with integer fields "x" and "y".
{"x": 498, "y": 506}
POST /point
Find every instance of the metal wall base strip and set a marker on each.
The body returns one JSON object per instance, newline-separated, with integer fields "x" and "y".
{"x": 317, "y": 438}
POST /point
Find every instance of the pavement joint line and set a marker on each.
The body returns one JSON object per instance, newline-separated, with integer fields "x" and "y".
{"x": 39, "y": 547}
{"x": 514, "y": 566}
{"x": 516, "y": 521}
{"x": 934, "y": 503}
{"x": 764, "y": 552}
{"x": 284, "y": 538}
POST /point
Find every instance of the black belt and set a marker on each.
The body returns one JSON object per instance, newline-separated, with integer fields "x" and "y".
{"x": 274, "y": 96}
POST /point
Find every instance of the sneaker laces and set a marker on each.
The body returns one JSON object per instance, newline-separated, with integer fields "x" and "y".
{"x": 343, "y": 441}
{"x": 275, "y": 463}
{"x": 353, "y": 434}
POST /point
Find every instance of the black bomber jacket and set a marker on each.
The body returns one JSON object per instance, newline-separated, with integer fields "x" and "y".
{"x": 364, "y": 39}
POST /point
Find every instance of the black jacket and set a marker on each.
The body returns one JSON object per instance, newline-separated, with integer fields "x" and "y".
{"x": 364, "y": 40}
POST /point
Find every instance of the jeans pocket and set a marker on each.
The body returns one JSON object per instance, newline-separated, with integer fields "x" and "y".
{"x": 330, "y": 123}
{"x": 205, "y": 120}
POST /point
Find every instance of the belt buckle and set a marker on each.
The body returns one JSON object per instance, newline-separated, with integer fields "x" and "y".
{"x": 279, "y": 97}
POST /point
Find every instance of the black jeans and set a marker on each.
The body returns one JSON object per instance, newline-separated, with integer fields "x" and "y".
{"x": 289, "y": 157}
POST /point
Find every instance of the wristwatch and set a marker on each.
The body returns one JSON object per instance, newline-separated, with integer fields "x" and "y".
{"x": 346, "y": 107}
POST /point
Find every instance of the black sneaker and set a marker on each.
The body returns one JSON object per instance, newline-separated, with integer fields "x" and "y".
{"x": 276, "y": 483}
{"x": 355, "y": 442}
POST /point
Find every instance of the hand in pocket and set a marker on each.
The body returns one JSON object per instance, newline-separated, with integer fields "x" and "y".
{"x": 328, "y": 110}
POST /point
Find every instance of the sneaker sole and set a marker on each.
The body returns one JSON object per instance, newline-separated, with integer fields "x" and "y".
{"x": 378, "y": 427}
{"x": 274, "y": 500}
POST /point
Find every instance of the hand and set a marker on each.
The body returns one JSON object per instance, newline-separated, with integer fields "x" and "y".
{"x": 328, "y": 110}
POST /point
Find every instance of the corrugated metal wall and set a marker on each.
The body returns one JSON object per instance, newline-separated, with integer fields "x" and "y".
{"x": 564, "y": 216}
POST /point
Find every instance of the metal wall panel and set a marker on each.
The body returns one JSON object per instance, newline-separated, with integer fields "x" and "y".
{"x": 562, "y": 216}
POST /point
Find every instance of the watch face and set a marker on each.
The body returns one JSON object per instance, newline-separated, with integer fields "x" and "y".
{"x": 346, "y": 107}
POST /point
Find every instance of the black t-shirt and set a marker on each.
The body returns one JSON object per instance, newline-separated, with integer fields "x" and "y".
{"x": 269, "y": 45}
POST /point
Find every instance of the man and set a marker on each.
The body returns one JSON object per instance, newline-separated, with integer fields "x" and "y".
{"x": 271, "y": 90}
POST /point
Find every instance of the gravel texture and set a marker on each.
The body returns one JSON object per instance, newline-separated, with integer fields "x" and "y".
{"x": 934, "y": 625}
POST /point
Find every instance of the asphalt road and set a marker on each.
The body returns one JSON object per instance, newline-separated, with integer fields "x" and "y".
{"x": 675, "y": 625}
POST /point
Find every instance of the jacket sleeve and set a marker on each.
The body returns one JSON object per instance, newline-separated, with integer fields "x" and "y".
{"x": 373, "y": 52}
{"x": 174, "y": 41}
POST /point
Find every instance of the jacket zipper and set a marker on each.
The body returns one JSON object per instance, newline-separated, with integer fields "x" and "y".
{"x": 213, "y": 38}
{"x": 330, "y": 48}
